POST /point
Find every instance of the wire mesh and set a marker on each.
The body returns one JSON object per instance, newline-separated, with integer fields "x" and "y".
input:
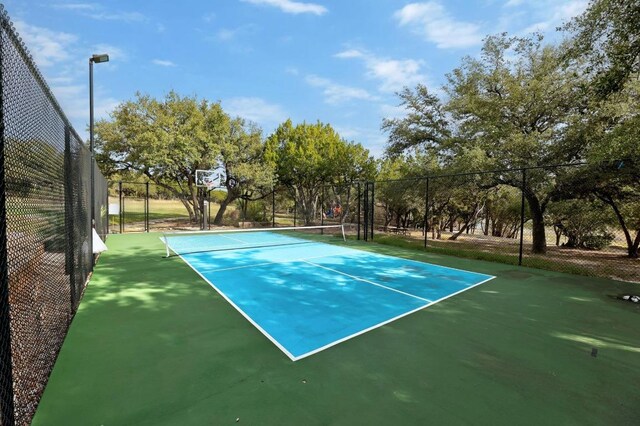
{"x": 46, "y": 227}
{"x": 581, "y": 219}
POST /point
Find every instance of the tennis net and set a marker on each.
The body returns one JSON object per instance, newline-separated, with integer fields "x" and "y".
{"x": 242, "y": 239}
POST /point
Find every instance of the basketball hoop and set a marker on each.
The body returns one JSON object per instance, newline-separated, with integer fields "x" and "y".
{"x": 210, "y": 179}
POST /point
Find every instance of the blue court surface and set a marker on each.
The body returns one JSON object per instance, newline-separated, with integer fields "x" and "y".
{"x": 307, "y": 296}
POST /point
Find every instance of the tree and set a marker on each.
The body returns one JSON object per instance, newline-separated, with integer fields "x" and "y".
{"x": 608, "y": 33}
{"x": 518, "y": 111}
{"x": 308, "y": 156}
{"x": 582, "y": 222}
{"x": 242, "y": 152}
{"x": 168, "y": 140}
{"x": 353, "y": 164}
{"x": 502, "y": 212}
{"x": 398, "y": 190}
{"x": 612, "y": 172}
{"x": 513, "y": 107}
{"x": 425, "y": 125}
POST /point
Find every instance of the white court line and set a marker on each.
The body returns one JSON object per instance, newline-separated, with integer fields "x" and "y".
{"x": 275, "y": 262}
{"x": 327, "y": 346}
{"x": 234, "y": 239}
{"x": 315, "y": 351}
{"x": 358, "y": 251}
{"x": 247, "y": 317}
{"x": 421, "y": 262}
{"x": 246, "y": 245}
{"x": 366, "y": 281}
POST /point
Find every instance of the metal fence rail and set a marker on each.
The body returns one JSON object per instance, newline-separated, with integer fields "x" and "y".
{"x": 577, "y": 218}
{"x": 45, "y": 232}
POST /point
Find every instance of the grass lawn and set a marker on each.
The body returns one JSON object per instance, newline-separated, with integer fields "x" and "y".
{"x": 153, "y": 344}
{"x": 158, "y": 209}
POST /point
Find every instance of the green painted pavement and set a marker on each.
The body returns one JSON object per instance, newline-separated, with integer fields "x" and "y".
{"x": 153, "y": 344}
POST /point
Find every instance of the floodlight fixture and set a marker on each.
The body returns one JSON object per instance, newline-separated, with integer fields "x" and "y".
{"x": 98, "y": 59}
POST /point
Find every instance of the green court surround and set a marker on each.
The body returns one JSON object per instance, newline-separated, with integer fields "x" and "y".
{"x": 153, "y": 344}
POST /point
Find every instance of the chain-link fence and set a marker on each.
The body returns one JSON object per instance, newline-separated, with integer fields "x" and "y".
{"x": 148, "y": 207}
{"x": 45, "y": 232}
{"x": 582, "y": 219}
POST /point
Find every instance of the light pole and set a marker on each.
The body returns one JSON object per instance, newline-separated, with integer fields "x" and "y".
{"x": 98, "y": 59}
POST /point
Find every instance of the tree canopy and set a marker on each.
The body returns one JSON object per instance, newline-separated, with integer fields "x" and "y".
{"x": 308, "y": 157}
{"x": 608, "y": 33}
{"x": 168, "y": 140}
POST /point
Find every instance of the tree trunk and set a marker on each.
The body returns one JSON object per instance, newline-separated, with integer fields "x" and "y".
{"x": 187, "y": 206}
{"x": 180, "y": 195}
{"x": 632, "y": 245}
{"x": 539, "y": 245}
{"x": 486, "y": 220}
{"x": 558, "y": 232}
{"x": 460, "y": 231}
{"x": 633, "y": 250}
{"x": 223, "y": 207}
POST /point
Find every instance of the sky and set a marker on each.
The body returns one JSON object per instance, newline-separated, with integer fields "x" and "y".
{"x": 338, "y": 61}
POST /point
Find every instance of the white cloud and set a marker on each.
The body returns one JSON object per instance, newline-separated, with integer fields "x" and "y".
{"x": 100, "y": 13}
{"x": 75, "y": 6}
{"x": 62, "y": 58}
{"x": 47, "y": 47}
{"x": 432, "y": 21}
{"x": 348, "y": 54}
{"x": 230, "y": 34}
{"x": 226, "y": 34}
{"x": 551, "y": 14}
{"x": 347, "y": 132}
{"x": 293, "y": 7}
{"x": 565, "y": 11}
{"x": 394, "y": 74}
{"x": 392, "y": 111}
{"x": 371, "y": 138}
{"x": 513, "y": 3}
{"x": 292, "y": 71}
{"x": 335, "y": 93}
{"x": 163, "y": 63}
{"x": 75, "y": 103}
{"x": 255, "y": 109}
{"x": 116, "y": 54}
{"x": 209, "y": 17}
{"x": 118, "y": 16}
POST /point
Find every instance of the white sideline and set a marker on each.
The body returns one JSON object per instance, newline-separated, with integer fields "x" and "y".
{"x": 366, "y": 281}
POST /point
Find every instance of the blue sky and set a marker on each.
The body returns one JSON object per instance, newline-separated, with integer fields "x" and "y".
{"x": 340, "y": 62}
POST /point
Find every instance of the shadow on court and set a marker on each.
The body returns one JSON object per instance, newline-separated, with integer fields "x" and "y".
{"x": 152, "y": 343}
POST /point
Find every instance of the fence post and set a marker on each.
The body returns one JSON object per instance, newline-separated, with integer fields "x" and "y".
{"x": 146, "y": 209}
{"x": 365, "y": 215}
{"x": 359, "y": 199}
{"x": 524, "y": 182}
{"x": 373, "y": 207}
{"x": 426, "y": 213}
{"x": 243, "y": 205}
{"x": 7, "y": 414}
{"x": 68, "y": 217}
{"x": 121, "y": 209}
{"x": 322, "y": 210}
{"x": 295, "y": 209}
{"x": 108, "y": 219}
{"x": 201, "y": 198}
{"x": 273, "y": 208}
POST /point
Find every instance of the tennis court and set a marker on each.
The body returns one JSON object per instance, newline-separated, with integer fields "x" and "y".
{"x": 152, "y": 343}
{"x": 306, "y": 296}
